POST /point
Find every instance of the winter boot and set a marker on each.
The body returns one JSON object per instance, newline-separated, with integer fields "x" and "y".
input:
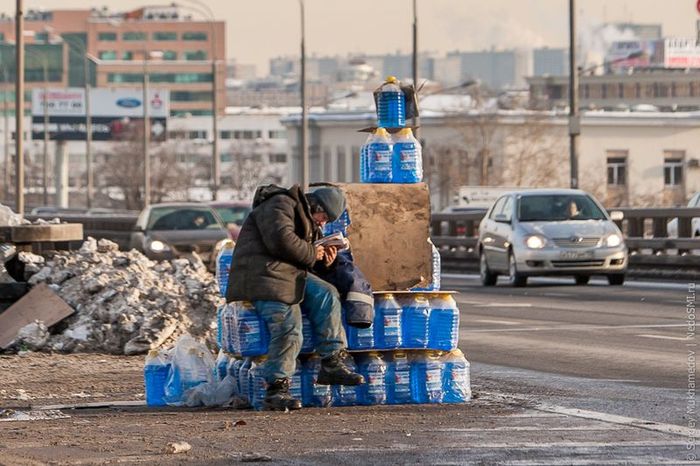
{"x": 334, "y": 371}
{"x": 278, "y": 398}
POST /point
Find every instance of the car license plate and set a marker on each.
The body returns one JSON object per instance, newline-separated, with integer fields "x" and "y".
{"x": 576, "y": 255}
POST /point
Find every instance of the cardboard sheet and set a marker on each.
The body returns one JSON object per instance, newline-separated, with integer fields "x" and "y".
{"x": 389, "y": 233}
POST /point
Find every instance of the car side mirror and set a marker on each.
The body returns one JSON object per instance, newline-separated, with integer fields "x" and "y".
{"x": 617, "y": 215}
{"x": 500, "y": 218}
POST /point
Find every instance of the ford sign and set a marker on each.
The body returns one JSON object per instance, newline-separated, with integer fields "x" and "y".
{"x": 128, "y": 102}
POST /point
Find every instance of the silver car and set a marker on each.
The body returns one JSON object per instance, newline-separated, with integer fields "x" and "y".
{"x": 550, "y": 232}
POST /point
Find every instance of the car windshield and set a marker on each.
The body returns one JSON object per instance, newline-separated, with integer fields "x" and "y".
{"x": 182, "y": 218}
{"x": 233, "y": 214}
{"x": 558, "y": 207}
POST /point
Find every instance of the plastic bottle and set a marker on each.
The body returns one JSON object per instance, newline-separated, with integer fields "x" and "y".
{"x": 415, "y": 321}
{"x": 155, "y": 375}
{"x": 444, "y": 323}
{"x": 220, "y": 326}
{"x": 252, "y": 332}
{"x": 373, "y": 368}
{"x": 398, "y": 379}
{"x": 229, "y": 328}
{"x": 223, "y": 265}
{"x": 307, "y": 345}
{"x": 379, "y": 156}
{"x": 359, "y": 338}
{"x": 346, "y": 395}
{"x": 243, "y": 384}
{"x": 387, "y": 322}
{"x": 455, "y": 378}
{"x": 314, "y": 394}
{"x": 256, "y": 383}
{"x": 407, "y": 160}
{"x": 434, "y": 284}
{"x": 295, "y": 386}
{"x": 426, "y": 380}
{"x": 364, "y": 159}
{"x": 234, "y": 369}
{"x": 391, "y": 111}
{"x": 222, "y": 362}
{"x": 193, "y": 374}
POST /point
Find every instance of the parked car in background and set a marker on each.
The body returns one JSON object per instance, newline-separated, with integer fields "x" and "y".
{"x": 233, "y": 214}
{"x": 167, "y": 231}
{"x": 672, "y": 225}
{"x": 550, "y": 232}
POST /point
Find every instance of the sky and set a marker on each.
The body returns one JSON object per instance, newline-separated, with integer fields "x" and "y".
{"x": 260, "y": 29}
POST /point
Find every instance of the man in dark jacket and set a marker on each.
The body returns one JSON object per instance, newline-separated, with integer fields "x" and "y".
{"x": 271, "y": 268}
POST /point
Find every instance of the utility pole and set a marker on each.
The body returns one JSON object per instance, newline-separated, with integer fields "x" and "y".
{"x": 146, "y": 136}
{"x": 88, "y": 133}
{"x": 6, "y": 134}
{"x": 19, "y": 107}
{"x": 574, "y": 117}
{"x": 216, "y": 163}
{"x": 415, "y": 64}
{"x": 304, "y": 116}
{"x": 45, "y": 162}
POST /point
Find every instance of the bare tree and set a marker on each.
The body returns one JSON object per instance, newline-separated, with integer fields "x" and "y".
{"x": 248, "y": 170}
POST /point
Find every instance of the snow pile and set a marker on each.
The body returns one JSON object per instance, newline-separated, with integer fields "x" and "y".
{"x": 8, "y": 218}
{"x": 125, "y": 303}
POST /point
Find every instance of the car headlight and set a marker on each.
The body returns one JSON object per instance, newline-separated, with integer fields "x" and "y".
{"x": 158, "y": 246}
{"x": 613, "y": 240}
{"x": 535, "y": 242}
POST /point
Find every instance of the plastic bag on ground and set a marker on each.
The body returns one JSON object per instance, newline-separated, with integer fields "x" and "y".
{"x": 192, "y": 365}
{"x": 210, "y": 394}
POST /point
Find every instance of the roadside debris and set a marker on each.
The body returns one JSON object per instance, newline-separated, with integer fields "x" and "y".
{"x": 177, "y": 447}
{"x": 125, "y": 303}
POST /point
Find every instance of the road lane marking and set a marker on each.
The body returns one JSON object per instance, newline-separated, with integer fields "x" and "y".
{"x": 628, "y": 284}
{"x": 672, "y": 429}
{"x": 663, "y": 337}
{"x": 569, "y": 327}
{"x": 503, "y": 305}
{"x": 504, "y": 322}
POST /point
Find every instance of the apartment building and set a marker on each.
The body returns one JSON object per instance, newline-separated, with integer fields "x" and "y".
{"x": 176, "y": 50}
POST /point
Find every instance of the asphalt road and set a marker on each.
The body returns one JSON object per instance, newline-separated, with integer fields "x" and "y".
{"x": 619, "y": 350}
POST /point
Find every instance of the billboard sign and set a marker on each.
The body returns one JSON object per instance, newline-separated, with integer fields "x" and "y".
{"x": 115, "y": 113}
{"x": 681, "y": 53}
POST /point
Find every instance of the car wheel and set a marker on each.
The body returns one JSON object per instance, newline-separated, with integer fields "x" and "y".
{"x": 616, "y": 279}
{"x": 488, "y": 278}
{"x": 515, "y": 278}
{"x": 582, "y": 279}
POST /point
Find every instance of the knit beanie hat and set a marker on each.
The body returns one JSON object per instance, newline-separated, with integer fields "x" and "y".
{"x": 331, "y": 200}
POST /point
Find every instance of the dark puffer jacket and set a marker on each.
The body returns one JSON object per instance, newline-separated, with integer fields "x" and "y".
{"x": 275, "y": 249}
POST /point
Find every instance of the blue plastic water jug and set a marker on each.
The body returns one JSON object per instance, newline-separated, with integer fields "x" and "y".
{"x": 444, "y": 323}
{"x": 407, "y": 158}
{"x": 253, "y": 335}
{"x": 380, "y": 157}
{"x": 229, "y": 328}
{"x": 398, "y": 379}
{"x": 364, "y": 159}
{"x": 391, "y": 103}
{"x": 243, "y": 380}
{"x": 426, "y": 383}
{"x": 313, "y": 393}
{"x": 455, "y": 378}
{"x": 415, "y": 321}
{"x": 373, "y": 368}
{"x": 346, "y": 395}
{"x": 223, "y": 266}
{"x": 155, "y": 375}
{"x": 295, "y": 386}
{"x": 339, "y": 225}
{"x": 307, "y": 333}
{"x": 222, "y": 362}
{"x": 257, "y": 383}
{"x": 359, "y": 338}
{"x": 387, "y": 322}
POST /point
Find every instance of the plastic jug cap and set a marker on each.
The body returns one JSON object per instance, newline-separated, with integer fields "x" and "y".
{"x": 405, "y": 132}
{"x": 153, "y": 353}
{"x": 391, "y": 79}
{"x": 381, "y": 132}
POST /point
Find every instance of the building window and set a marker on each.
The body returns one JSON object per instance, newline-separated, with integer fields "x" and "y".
{"x": 107, "y": 55}
{"x": 190, "y": 96}
{"x": 673, "y": 168}
{"x": 638, "y": 90}
{"x": 226, "y": 134}
{"x": 162, "y": 35}
{"x": 128, "y": 56}
{"x": 247, "y": 134}
{"x": 194, "y": 36}
{"x": 169, "y": 55}
{"x": 586, "y": 91}
{"x": 107, "y": 36}
{"x": 160, "y": 77}
{"x": 620, "y": 90}
{"x": 2, "y": 37}
{"x": 133, "y": 36}
{"x": 278, "y": 158}
{"x": 617, "y": 168}
{"x": 41, "y": 37}
{"x": 226, "y": 157}
{"x": 194, "y": 55}
{"x": 277, "y": 134}
{"x": 200, "y": 134}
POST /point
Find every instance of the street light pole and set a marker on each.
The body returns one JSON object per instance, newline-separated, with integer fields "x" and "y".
{"x": 5, "y": 133}
{"x": 88, "y": 133}
{"x": 304, "y": 116}
{"x": 19, "y": 107}
{"x": 45, "y": 162}
{"x": 415, "y": 63}
{"x": 574, "y": 117}
{"x": 146, "y": 136}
